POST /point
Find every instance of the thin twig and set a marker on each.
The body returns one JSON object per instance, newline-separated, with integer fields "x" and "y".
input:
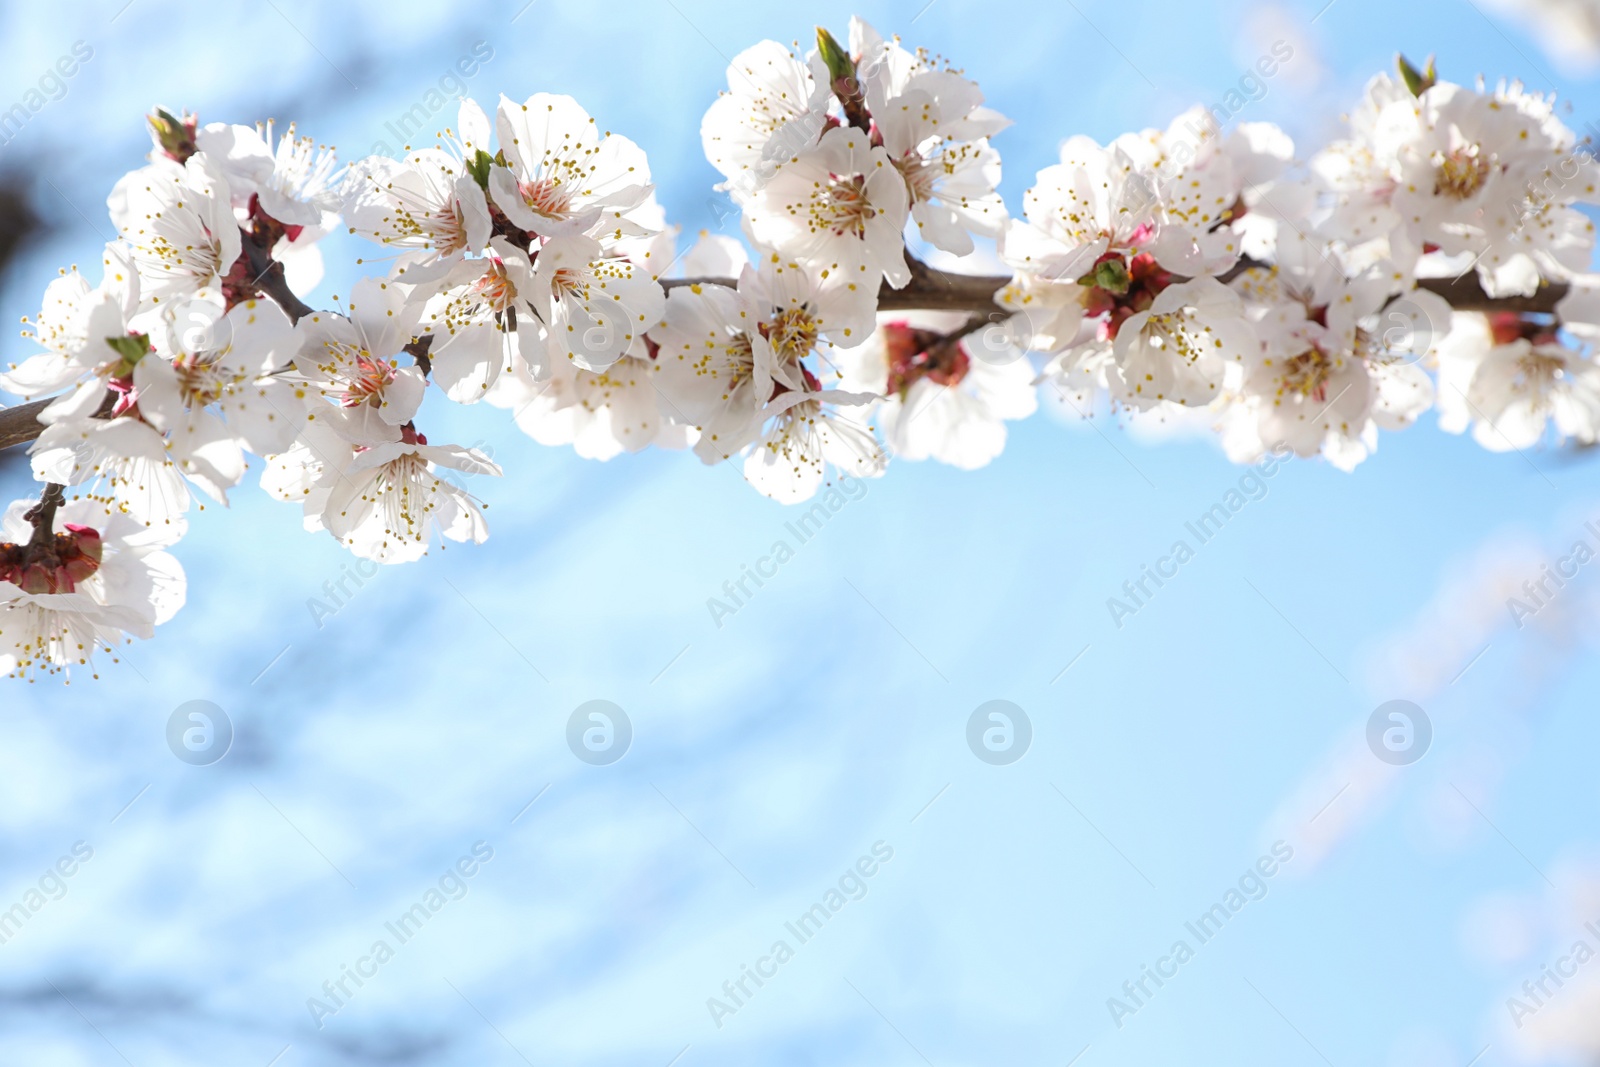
{"x": 20, "y": 424}
{"x": 43, "y": 515}
{"x": 266, "y": 275}
{"x": 418, "y": 350}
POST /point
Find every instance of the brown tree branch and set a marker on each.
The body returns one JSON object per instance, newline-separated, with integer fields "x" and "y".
{"x": 930, "y": 289}
{"x": 266, "y": 275}
{"x": 938, "y": 290}
{"x": 418, "y": 350}
{"x": 1465, "y": 294}
{"x": 43, "y": 516}
{"x": 20, "y": 424}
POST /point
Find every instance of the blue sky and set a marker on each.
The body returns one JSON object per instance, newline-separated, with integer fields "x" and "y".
{"x": 829, "y": 714}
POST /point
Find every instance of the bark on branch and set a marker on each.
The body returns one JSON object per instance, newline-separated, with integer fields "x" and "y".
{"x": 1465, "y": 294}
{"x": 930, "y": 289}
{"x": 266, "y": 275}
{"x": 938, "y": 290}
{"x": 20, "y": 424}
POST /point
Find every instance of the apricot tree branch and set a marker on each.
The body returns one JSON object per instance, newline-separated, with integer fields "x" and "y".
{"x": 930, "y": 289}
{"x": 266, "y": 275}
{"x": 20, "y": 424}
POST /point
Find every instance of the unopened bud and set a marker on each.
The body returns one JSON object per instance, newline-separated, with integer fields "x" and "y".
{"x": 132, "y": 348}
{"x": 1110, "y": 274}
{"x": 1418, "y": 81}
{"x": 87, "y": 538}
{"x": 173, "y": 135}
{"x": 478, "y": 166}
{"x": 843, "y": 81}
{"x": 838, "y": 61}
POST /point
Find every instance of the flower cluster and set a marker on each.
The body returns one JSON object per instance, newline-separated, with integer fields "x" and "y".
{"x": 1191, "y": 268}
{"x": 1296, "y": 304}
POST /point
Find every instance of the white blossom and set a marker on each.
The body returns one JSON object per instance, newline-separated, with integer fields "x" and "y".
{"x": 774, "y": 106}
{"x": 951, "y": 403}
{"x": 562, "y": 179}
{"x": 97, "y": 581}
{"x": 354, "y": 362}
{"x": 178, "y": 222}
{"x": 839, "y": 205}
